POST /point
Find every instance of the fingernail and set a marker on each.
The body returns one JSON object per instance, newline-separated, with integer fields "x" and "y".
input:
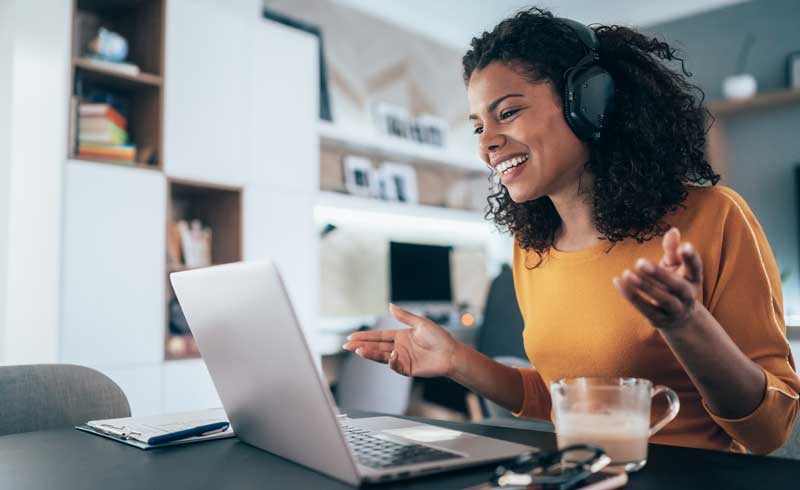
{"x": 360, "y": 351}
{"x": 345, "y": 346}
{"x": 349, "y": 337}
{"x": 393, "y": 355}
{"x": 644, "y": 265}
{"x": 630, "y": 276}
{"x": 688, "y": 248}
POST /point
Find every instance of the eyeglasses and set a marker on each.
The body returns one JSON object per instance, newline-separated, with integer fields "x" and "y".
{"x": 560, "y": 470}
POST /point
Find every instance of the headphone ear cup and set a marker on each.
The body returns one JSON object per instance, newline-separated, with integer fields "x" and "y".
{"x": 592, "y": 91}
{"x": 567, "y": 98}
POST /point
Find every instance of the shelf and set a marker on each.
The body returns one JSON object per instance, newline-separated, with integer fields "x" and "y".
{"x": 114, "y": 78}
{"x": 392, "y": 148}
{"x": 139, "y": 96}
{"x": 219, "y": 208}
{"x": 777, "y": 98}
{"x": 139, "y": 165}
{"x": 394, "y": 217}
{"x": 350, "y": 203}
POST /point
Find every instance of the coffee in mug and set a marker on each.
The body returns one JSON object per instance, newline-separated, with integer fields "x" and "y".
{"x": 611, "y": 413}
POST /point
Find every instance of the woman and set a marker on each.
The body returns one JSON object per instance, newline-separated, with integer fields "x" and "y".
{"x": 605, "y": 284}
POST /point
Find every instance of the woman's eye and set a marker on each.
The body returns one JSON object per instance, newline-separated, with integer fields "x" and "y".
{"x": 477, "y": 131}
{"x": 507, "y": 114}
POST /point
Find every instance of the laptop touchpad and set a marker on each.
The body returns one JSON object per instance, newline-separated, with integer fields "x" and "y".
{"x": 424, "y": 433}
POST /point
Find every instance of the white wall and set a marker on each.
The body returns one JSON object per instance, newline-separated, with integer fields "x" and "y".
{"x": 39, "y": 86}
{"x": 455, "y": 22}
{"x": 6, "y": 49}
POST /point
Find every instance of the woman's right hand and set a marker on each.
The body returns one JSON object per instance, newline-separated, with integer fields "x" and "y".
{"x": 424, "y": 349}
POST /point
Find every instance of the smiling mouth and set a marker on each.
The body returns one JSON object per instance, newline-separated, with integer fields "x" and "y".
{"x": 510, "y": 164}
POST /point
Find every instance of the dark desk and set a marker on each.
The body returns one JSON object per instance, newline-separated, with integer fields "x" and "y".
{"x": 68, "y": 459}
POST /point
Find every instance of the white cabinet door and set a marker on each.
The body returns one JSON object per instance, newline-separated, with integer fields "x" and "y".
{"x": 188, "y": 386}
{"x": 207, "y": 89}
{"x": 113, "y": 311}
{"x": 280, "y": 226}
{"x": 279, "y": 200}
{"x": 285, "y": 108}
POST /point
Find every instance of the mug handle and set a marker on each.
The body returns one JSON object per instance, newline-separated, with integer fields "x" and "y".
{"x": 672, "y": 411}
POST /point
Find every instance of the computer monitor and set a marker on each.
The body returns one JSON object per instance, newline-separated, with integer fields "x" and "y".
{"x": 419, "y": 273}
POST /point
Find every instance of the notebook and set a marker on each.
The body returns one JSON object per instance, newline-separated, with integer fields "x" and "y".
{"x": 136, "y": 431}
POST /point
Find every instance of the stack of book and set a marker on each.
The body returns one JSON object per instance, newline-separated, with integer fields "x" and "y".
{"x": 102, "y": 134}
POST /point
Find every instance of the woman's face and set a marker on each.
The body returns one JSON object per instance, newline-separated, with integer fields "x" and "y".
{"x": 522, "y": 133}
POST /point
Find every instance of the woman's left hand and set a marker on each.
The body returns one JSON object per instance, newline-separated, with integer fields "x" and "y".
{"x": 665, "y": 293}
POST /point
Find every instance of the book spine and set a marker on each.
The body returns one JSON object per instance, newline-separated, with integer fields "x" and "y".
{"x": 103, "y": 110}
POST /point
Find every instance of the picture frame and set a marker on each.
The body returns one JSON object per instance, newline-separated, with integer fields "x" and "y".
{"x": 398, "y": 182}
{"x": 793, "y": 70}
{"x": 359, "y": 176}
{"x": 392, "y": 120}
{"x": 433, "y": 130}
{"x": 325, "y": 112}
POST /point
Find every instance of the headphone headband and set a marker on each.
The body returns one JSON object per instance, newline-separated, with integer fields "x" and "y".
{"x": 585, "y": 34}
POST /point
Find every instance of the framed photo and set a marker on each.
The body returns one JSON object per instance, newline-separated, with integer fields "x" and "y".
{"x": 793, "y": 70}
{"x": 432, "y": 129}
{"x": 324, "y": 93}
{"x": 392, "y": 119}
{"x": 359, "y": 176}
{"x": 398, "y": 182}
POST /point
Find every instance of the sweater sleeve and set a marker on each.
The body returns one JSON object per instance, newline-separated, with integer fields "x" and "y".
{"x": 746, "y": 299}
{"x": 536, "y": 404}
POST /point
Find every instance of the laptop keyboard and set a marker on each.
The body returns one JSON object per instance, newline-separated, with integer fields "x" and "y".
{"x": 379, "y": 453}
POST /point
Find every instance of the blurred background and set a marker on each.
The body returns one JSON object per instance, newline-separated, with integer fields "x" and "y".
{"x": 143, "y": 137}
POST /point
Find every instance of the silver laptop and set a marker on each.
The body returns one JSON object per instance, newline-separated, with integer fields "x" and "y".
{"x": 276, "y": 400}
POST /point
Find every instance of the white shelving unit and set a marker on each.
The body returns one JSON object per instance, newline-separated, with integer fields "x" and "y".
{"x": 369, "y": 141}
{"x": 113, "y": 258}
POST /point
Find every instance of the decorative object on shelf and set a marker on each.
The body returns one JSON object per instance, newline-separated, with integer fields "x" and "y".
{"x": 398, "y": 182}
{"x": 432, "y": 130}
{"x": 359, "y": 176}
{"x": 324, "y": 94}
{"x": 174, "y": 261}
{"x": 195, "y": 243}
{"x": 392, "y": 119}
{"x": 395, "y": 120}
{"x": 793, "y": 70}
{"x": 102, "y": 134}
{"x": 108, "y": 50}
{"x": 108, "y": 45}
{"x": 741, "y": 85}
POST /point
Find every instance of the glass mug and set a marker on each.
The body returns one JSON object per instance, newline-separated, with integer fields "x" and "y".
{"x": 612, "y": 413}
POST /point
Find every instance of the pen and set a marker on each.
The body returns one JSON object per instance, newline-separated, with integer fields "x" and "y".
{"x": 201, "y": 430}
{"x": 121, "y": 432}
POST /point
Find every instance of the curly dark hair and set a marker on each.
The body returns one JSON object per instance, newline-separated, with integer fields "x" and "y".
{"x": 651, "y": 147}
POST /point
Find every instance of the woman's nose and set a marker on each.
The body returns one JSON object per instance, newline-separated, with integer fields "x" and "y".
{"x": 491, "y": 141}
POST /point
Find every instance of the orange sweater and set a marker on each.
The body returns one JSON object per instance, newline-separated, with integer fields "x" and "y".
{"x": 577, "y": 324}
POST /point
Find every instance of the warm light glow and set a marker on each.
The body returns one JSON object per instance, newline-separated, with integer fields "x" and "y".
{"x": 467, "y": 319}
{"x": 176, "y": 345}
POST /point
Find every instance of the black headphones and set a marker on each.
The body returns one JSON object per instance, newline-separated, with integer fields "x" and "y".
{"x": 588, "y": 88}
